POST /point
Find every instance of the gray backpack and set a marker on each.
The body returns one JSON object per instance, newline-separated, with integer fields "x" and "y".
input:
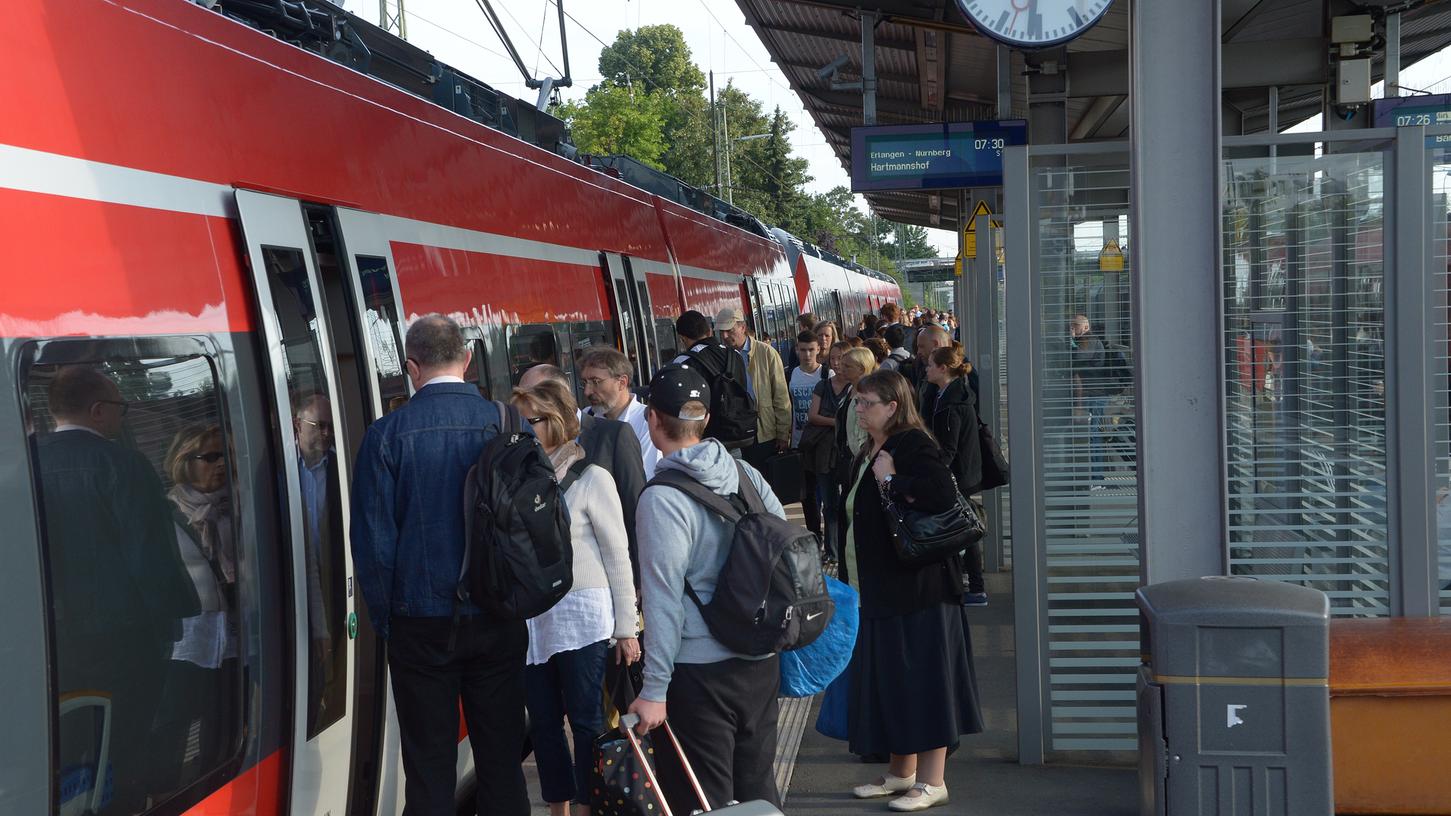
{"x": 771, "y": 595}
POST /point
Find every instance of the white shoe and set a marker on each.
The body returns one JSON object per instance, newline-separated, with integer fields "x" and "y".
{"x": 926, "y": 796}
{"x": 890, "y": 785}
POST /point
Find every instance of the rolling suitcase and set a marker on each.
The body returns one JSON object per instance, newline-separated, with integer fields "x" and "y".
{"x": 756, "y": 808}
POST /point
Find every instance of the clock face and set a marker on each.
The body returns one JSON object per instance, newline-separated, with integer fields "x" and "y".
{"x": 1033, "y": 23}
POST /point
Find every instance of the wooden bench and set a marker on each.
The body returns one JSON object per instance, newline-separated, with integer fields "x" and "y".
{"x": 1390, "y": 715}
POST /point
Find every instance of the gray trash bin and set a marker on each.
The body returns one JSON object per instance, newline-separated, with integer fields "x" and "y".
{"x": 1234, "y": 699}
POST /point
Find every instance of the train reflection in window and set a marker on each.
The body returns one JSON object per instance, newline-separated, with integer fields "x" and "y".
{"x": 132, "y": 464}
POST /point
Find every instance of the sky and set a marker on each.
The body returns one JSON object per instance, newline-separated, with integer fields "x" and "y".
{"x": 456, "y": 32}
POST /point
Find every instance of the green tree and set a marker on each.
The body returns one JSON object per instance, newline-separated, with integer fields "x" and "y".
{"x": 617, "y": 120}
{"x": 655, "y": 57}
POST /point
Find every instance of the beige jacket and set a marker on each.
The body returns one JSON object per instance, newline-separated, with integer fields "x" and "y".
{"x": 773, "y": 399}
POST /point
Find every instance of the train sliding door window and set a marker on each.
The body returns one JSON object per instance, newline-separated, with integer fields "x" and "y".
{"x": 630, "y": 299}
{"x": 134, "y": 471}
{"x": 530, "y": 345}
{"x": 298, "y": 348}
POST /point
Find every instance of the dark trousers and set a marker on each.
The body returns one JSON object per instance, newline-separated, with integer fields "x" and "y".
{"x": 724, "y": 715}
{"x": 567, "y": 685}
{"x": 485, "y": 671}
{"x": 810, "y": 501}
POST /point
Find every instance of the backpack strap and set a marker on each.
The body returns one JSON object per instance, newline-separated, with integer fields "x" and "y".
{"x": 702, "y": 495}
{"x": 510, "y": 420}
{"x": 747, "y": 490}
{"x": 572, "y": 475}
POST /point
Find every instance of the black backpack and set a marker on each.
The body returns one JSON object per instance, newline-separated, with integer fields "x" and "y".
{"x": 770, "y": 596}
{"x": 732, "y": 408}
{"x": 518, "y": 560}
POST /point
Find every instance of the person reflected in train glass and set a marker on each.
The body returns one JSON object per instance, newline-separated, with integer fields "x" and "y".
{"x": 408, "y": 545}
{"x": 199, "y": 678}
{"x": 612, "y": 445}
{"x": 120, "y": 588}
{"x": 813, "y": 441}
{"x": 1086, "y": 356}
{"x": 914, "y": 689}
{"x": 606, "y": 374}
{"x": 949, "y": 407}
{"x": 765, "y": 379}
{"x": 317, "y": 471}
{"x": 568, "y": 644}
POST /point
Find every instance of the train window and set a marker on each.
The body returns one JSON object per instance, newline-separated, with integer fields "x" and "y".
{"x": 478, "y": 371}
{"x": 584, "y": 336}
{"x": 530, "y": 345}
{"x": 132, "y": 465}
{"x": 666, "y": 338}
{"x": 310, "y": 401}
{"x": 380, "y": 316}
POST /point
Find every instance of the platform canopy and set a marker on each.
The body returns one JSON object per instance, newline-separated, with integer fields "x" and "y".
{"x": 933, "y": 66}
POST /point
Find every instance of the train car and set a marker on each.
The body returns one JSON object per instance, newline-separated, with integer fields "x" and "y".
{"x": 833, "y": 288}
{"x": 227, "y": 236}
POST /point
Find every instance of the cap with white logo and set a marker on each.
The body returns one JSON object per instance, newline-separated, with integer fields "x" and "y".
{"x": 674, "y": 386}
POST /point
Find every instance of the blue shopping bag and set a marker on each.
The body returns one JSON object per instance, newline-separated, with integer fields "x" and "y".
{"x": 831, "y": 718}
{"x": 809, "y": 670}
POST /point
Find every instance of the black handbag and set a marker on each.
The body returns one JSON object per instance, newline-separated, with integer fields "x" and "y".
{"x": 920, "y": 538}
{"x": 818, "y": 443}
{"x": 994, "y": 465}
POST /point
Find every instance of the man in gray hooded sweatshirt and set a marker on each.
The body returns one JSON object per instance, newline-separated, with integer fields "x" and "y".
{"x": 722, "y": 705}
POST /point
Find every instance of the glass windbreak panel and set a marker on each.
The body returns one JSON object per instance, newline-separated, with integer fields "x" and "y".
{"x": 309, "y": 399}
{"x": 132, "y": 463}
{"x": 1004, "y": 493}
{"x": 1089, "y": 471}
{"x": 530, "y": 345}
{"x": 1305, "y": 379}
{"x": 380, "y": 322}
{"x": 1440, "y": 169}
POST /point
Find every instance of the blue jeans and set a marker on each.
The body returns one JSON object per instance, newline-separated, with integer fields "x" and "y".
{"x": 569, "y": 684}
{"x": 1097, "y": 408}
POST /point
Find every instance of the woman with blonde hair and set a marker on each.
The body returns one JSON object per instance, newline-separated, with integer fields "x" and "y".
{"x": 914, "y": 689}
{"x": 949, "y": 408}
{"x": 568, "y": 644}
{"x": 827, "y": 334}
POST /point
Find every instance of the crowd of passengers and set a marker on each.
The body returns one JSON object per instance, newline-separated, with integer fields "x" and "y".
{"x": 887, "y": 413}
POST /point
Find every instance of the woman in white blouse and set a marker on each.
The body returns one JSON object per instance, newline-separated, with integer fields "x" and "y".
{"x": 568, "y": 645}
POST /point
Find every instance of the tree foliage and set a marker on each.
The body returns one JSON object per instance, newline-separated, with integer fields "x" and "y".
{"x": 652, "y": 104}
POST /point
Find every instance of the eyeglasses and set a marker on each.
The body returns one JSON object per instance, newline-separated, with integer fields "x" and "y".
{"x": 535, "y": 420}
{"x": 596, "y": 382}
{"x": 862, "y": 403}
{"x": 122, "y": 404}
{"x": 322, "y": 427}
{"x": 210, "y": 457}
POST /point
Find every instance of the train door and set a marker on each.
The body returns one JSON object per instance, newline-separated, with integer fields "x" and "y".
{"x": 630, "y": 299}
{"x": 751, "y": 290}
{"x": 840, "y": 314}
{"x": 307, "y": 406}
{"x": 355, "y": 264}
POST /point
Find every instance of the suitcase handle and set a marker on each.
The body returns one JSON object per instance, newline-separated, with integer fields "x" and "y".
{"x": 627, "y": 724}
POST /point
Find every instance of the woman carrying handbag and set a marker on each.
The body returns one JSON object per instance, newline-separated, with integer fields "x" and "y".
{"x": 911, "y": 612}
{"x": 949, "y": 408}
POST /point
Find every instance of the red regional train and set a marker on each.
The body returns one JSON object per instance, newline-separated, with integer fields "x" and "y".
{"x": 212, "y": 242}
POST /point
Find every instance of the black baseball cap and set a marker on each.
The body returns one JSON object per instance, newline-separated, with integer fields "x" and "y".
{"x": 676, "y": 384}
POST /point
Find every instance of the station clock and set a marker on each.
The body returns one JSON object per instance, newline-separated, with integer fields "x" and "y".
{"x": 1033, "y": 23}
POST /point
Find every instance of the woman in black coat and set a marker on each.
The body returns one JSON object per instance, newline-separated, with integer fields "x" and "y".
{"x": 913, "y": 689}
{"x": 949, "y": 407}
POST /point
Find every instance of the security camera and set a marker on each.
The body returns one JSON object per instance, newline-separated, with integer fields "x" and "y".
{"x": 836, "y": 65}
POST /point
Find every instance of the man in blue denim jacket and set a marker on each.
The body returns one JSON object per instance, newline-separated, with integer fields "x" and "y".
{"x": 408, "y": 547}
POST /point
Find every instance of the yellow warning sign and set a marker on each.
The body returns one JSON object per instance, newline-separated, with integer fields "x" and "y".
{"x": 1111, "y": 257}
{"x": 969, "y": 231}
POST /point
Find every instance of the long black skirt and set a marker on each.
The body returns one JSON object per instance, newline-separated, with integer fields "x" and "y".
{"x": 913, "y": 687}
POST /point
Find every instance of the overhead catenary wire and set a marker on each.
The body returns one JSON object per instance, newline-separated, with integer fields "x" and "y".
{"x": 742, "y": 48}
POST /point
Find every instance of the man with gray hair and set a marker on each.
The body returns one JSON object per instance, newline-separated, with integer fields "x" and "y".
{"x": 408, "y": 547}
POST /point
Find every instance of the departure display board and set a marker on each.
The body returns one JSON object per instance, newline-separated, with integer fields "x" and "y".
{"x": 938, "y": 156}
{"x": 1410, "y": 111}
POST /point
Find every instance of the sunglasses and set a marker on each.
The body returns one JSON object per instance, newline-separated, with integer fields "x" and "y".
{"x": 122, "y": 404}
{"x": 210, "y": 457}
{"x": 324, "y": 427}
{"x": 535, "y": 420}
